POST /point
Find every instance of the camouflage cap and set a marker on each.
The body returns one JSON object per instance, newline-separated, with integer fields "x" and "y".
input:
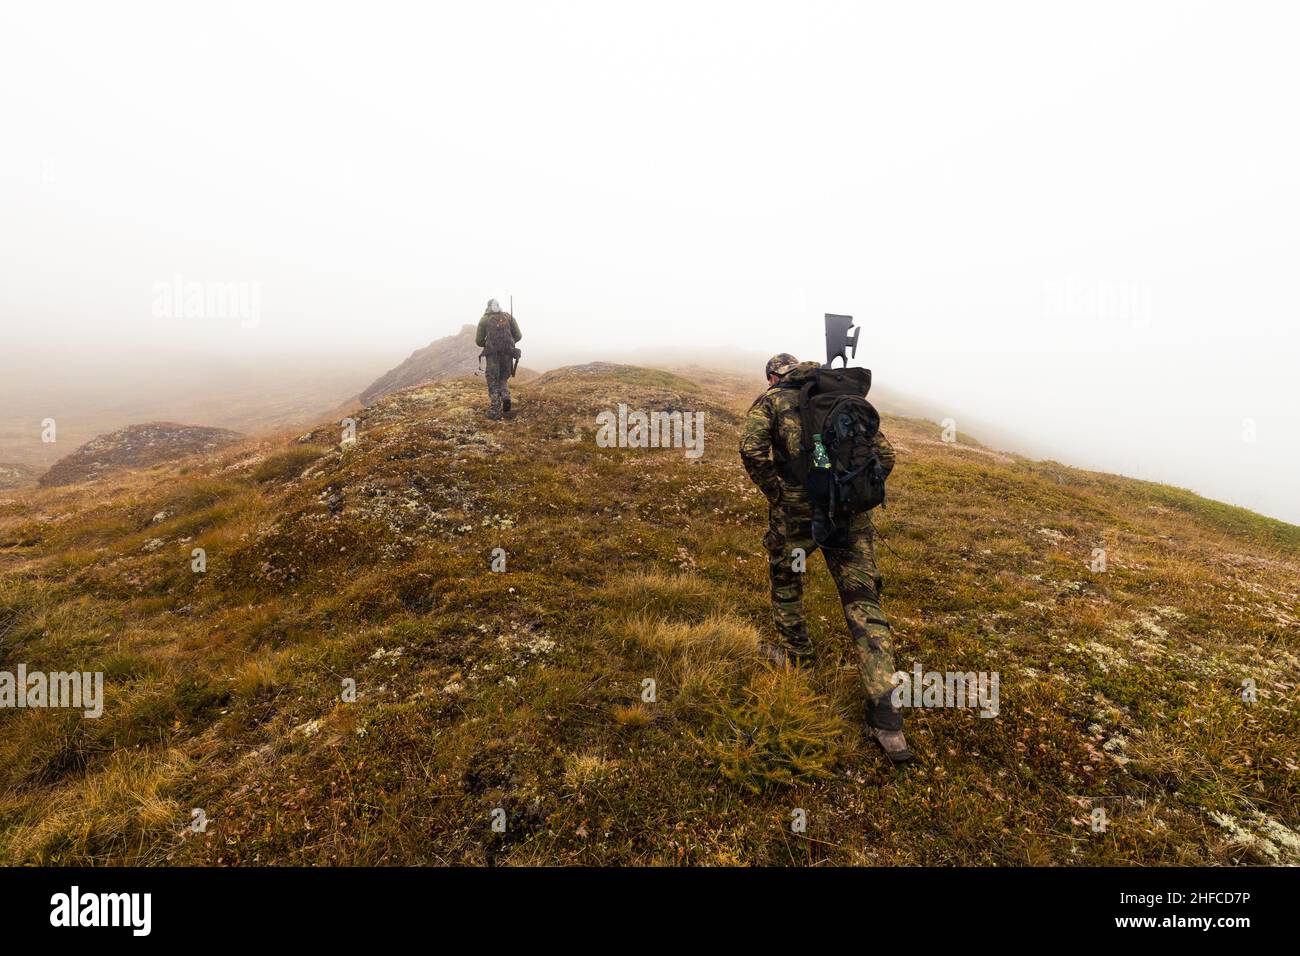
{"x": 781, "y": 363}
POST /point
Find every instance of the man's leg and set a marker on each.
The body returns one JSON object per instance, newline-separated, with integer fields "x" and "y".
{"x": 787, "y": 532}
{"x": 493, "y": 375}
{"x": 503, "y": 380}
{"x": 856, "y": 577}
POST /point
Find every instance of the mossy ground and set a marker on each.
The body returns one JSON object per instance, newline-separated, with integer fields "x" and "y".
{"x": 524, "y": 691}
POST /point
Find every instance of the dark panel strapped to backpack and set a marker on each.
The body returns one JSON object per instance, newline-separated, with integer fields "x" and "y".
{"x": 837, "y": 464}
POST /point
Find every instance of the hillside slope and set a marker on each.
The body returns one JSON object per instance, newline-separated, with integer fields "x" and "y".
{"x": 518, "y": 696}
{"x": 13, "y": 475}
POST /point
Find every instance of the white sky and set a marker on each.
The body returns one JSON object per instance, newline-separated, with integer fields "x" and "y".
{"x": 1077, "y": 221}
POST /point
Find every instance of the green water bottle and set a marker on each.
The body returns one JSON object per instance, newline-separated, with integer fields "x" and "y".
{"x": 819, "y": 457}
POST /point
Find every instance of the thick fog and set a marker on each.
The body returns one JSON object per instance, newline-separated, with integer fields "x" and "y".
{"x": 1075, "y": 222}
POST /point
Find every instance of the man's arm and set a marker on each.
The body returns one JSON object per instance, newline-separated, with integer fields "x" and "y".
{"x": 514, "y": 329}
{"x": 756, "y": 449}
{"x": 480, "y": 337}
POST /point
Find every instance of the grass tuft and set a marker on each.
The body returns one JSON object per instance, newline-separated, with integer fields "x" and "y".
{"x": 778, "y": 733}
{"x": 287, "y": 465}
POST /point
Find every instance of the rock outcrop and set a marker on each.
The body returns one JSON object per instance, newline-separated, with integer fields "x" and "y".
{"x": 136, "y": 446}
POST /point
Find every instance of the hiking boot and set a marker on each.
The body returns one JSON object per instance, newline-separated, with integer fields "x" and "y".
{"x": 801, "y": 652}
{"x": 494, "y": 415}
{"x": 505, "y": 406}
{"x": 892, "y": 742}
{"x": 774, "y": 654}
{"x": 785, "y": 657}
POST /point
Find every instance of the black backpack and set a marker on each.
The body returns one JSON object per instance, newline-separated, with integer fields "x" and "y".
{"x": 498, "y": 338}
{"x": 837, "y": 463}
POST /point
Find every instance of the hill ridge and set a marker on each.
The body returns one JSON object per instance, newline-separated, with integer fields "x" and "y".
{"x": 524, "y": 689}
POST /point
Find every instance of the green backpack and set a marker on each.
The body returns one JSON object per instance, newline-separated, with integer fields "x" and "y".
{"x": 837, "y": 464}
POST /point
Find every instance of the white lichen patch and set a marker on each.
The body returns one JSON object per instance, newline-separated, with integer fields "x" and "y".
{"x": 524, "y": 643}
{"x": 1263, "y": 834}
{"x": 310, "y": 729}
{"x": 1151, "y": 625}
{"x": 1103, "y": 656}
{"x": 1115, "y": 747}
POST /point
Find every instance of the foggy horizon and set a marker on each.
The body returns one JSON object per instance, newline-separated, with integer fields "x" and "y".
{"x": 1079, "y": 242}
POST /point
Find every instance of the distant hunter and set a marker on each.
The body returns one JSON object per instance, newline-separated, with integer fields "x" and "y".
{"x": 497, "y": 334}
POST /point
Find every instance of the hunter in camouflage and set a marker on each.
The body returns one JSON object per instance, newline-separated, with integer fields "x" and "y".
{"x": 496, "y": 336}
{"x": 770, "y": 436}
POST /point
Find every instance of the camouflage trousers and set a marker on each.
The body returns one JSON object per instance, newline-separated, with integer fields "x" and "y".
{"x": 498, "y": 380}
{"x": 790, "y": 544}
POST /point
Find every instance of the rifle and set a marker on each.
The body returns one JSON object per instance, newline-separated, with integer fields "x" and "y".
{"x": 839, "y": 344}
{"x": 514, "y": 365}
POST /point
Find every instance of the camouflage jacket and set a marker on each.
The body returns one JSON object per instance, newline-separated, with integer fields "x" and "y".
{"x": 480, "y": 337}
{"x": 770, "y": 436}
